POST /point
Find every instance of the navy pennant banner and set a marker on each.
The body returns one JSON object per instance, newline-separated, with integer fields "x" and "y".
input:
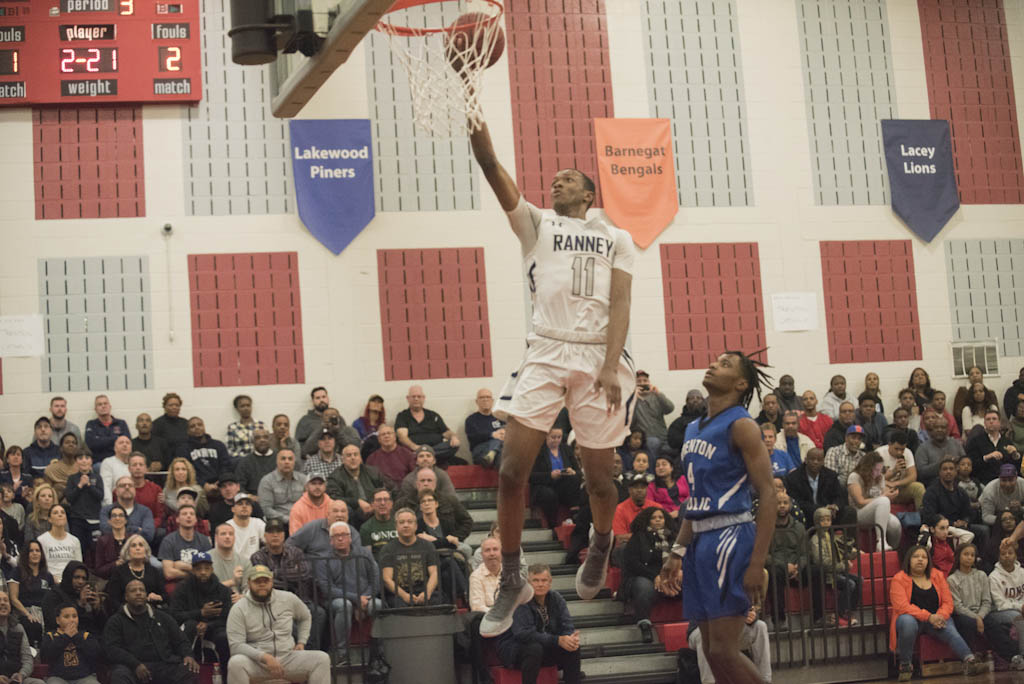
{"x": 922, "y": 182}
{"x": 332, "y": 161}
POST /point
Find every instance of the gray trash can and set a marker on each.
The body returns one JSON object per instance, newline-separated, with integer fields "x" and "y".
{"x": 418, "y": 647}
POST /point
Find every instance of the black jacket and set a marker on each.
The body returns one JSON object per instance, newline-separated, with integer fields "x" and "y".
{"x": 979, "y": 445}
{"x": 85, "y": 502}
{"x": 763, "y": 418}
{"x": 677, "y": 429}
{"x": 1010, "y": 397}
{"x": 188, "y": 599}
{"x": 830, "y": 491}
{"x": 152, "y": 637}
{"x": 641, "y": 557}
{"x": 541, "y": 473}
{"x": 10, "y": 649}
{"x": 88, "y": 620}
{"x": 954, "y": 505}
{"x": 913, "y": 441}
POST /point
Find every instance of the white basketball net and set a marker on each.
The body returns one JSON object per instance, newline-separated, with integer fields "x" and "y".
{"x": 445, "y": 99}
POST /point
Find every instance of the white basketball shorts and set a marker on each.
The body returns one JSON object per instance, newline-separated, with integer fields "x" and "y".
{"x": 556, "y": 374}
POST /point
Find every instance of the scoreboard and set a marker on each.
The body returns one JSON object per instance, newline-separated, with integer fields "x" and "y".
{"x": 96, "y": 51}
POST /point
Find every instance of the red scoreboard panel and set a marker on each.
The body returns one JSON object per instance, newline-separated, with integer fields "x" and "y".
{"x": 77, "y": 51}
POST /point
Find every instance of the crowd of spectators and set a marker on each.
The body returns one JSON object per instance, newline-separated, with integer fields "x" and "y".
{"x": 338, "y": 520}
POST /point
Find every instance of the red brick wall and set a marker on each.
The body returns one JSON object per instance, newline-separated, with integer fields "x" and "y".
{"x": 246, "y": 319}
{"x": 433, "y": 313}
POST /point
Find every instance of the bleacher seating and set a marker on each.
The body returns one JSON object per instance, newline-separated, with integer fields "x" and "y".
{"x": 502, "y": 675}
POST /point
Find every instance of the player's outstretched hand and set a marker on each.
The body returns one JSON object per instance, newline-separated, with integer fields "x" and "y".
{"x": 670, "y": 580}
{"x": 753, "y": 583}
{"x": 608, "y": 380}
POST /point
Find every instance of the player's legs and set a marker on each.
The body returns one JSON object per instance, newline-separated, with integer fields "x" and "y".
{"x": 522, "y": 444}
{"x": 598, "y": 431}
{"x": 598, "y": 465}
{"x": 530, "y": 402}
{"x": 721, "y": 640}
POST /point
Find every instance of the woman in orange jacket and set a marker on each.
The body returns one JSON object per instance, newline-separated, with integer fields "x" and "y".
{"x": 922, "y": 604}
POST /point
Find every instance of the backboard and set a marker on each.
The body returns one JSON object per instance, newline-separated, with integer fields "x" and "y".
{"x": 344, "y": 23}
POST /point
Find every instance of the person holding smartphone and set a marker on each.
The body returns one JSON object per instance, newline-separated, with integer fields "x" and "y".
{"x": 651, "y": 408}
{"x": 201, "y": 605}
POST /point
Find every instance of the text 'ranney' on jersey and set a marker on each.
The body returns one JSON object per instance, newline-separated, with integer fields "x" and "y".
{"x": 582, "y": 243}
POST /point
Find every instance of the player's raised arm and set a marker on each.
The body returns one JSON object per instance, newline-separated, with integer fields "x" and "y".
{"x": 503, "y": 185}
{"x": 747, "y": 437}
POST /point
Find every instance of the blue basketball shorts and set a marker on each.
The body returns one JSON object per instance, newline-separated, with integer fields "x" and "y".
{"x": 713, "y": 573}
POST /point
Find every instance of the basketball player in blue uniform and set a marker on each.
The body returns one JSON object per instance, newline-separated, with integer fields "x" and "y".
{"x": 719, "y": 548}
{"x": 580, "y": 274}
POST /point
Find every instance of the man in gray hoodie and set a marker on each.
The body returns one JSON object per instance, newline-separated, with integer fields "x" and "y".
{"x": 260, "y": 636}
{"x": 1006, "y": 584}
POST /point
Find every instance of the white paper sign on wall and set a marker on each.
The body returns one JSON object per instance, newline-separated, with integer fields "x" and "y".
{"x": 21, "y": 336}
{"x": 792, "y": 311}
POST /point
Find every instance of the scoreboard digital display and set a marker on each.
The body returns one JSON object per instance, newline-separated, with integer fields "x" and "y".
{"x": 93, "y": 51}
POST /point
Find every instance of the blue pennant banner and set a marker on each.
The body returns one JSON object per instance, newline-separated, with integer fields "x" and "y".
{"x": 332, "y": 160}
{"x": 922, "y": 181}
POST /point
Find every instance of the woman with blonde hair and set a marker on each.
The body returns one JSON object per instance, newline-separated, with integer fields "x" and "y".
{"x": 871, "y": 386}
{"x": 180, "y": 473}
{"x": 38, "y": 521}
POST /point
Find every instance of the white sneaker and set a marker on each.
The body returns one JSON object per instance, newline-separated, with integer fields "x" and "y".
{"x": 498, "y": 619}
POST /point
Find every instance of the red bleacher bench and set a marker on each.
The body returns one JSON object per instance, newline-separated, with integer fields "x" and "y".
{"x": 473, "y": 477}
{"x": 869, "y": 565}
{"x": 875, "y": 592}
{"x": 503, "y": 675}
{"x": 673, "y": 635}
{"x": 563, "y": 532}
{"x": 667, "y": 610}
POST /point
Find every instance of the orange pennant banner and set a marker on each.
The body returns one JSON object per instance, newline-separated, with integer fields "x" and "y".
{"x": 638, "y": 175}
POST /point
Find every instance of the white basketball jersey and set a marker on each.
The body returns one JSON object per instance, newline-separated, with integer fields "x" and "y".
{"x": 569, "y": 264}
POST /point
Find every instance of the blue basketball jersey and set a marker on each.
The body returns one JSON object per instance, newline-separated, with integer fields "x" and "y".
{"x": 714, "y": 468}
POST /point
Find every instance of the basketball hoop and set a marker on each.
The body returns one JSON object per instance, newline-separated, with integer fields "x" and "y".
{"x": 444, "y": 57}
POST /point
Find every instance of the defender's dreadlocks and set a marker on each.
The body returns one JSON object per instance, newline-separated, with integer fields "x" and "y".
{"x": 757, "y": 379}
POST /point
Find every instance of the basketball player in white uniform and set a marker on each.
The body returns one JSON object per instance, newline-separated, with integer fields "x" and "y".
{"x": 580, "y": 276}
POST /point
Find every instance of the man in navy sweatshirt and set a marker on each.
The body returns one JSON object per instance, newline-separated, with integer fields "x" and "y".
{"x": 102, "y": 431}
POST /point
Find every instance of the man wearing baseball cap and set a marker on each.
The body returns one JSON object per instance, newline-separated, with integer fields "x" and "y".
{"x": 291, "y": 573}
{"x": 626, "y": 511}
{"x": 651, "y": 408}
{"x": 248, "y": 528}
{"x": 260, "y": 636}
{"x": 221, "y": 510}
{"x": 1003, "y": 494}
{"x": 844, "y": 457}
{"x": 201, "y": 604}
{"x": 312, "y": 505}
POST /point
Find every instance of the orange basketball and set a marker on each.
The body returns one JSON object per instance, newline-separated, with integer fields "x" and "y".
{"x": 467, "y": 31}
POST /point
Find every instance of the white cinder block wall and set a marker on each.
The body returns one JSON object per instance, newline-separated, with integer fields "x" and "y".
{"x": 340, "y": 305}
